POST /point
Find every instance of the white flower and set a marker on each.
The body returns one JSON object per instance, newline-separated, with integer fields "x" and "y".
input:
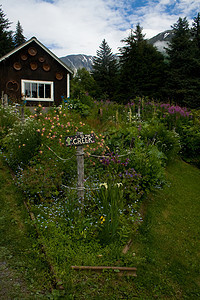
{"x": 119, "y": 184}
{"x": 104, "y": 184}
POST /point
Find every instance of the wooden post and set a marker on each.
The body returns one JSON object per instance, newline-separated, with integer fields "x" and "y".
{"x": 2, "y": 98}
{"x": 5, "y": 96}
{"x": 80, "y": 170}
{"x": 22, "y": 108}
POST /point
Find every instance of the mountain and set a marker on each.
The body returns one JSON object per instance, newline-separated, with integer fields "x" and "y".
{"x": 161, "y": 40}
{"x": 79, "y": 61}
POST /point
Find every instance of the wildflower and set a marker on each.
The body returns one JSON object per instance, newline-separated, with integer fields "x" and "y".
{"x": 104, "y": 184}
{"x": 119, "y": 184}
{"x": 102, "y": 219}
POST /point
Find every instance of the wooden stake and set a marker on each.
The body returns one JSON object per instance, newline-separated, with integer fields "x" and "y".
{"x": 5, "y": 96}
{"x": 80, "y": 170}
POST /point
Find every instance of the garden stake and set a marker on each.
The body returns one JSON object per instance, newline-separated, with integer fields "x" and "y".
{"x": 80, "y": 170}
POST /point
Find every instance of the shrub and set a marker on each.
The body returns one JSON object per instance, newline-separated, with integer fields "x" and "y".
{"x": 21, "y": 144}
{"x": 8, "y": 116}
{"x": 190, "y": 143}
{"x": 149, "y": 162}
{"x": 166, "y": 141}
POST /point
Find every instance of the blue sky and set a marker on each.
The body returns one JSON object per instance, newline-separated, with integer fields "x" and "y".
{"x": 79, "y": 26}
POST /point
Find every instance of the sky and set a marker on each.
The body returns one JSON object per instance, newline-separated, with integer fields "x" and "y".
{"x": 79, "y": 26}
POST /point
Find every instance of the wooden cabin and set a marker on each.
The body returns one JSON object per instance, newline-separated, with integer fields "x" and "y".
{"x": 31, "y": 72}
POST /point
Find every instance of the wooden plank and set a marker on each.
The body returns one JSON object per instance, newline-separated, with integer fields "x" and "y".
{"x": 130, "y": 271}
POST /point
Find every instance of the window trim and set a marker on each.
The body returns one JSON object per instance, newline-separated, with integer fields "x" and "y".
{"x": 23, "y": 81}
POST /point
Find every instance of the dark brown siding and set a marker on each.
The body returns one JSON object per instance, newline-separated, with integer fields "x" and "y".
{"x": 32, "y": 63}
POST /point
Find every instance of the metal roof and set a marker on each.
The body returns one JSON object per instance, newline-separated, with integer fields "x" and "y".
{"x": 42, "y": 46}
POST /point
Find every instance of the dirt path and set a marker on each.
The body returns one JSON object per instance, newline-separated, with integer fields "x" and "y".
{"x": 23, "y": 272}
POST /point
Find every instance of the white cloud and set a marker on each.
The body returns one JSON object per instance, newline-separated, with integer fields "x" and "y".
{"x": 77, "y": 26}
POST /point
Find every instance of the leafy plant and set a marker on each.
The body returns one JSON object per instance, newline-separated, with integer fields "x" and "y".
{"x": 22, "y": 143}
{"x": 110, "y": 204}
{"x": 8, "y": 116}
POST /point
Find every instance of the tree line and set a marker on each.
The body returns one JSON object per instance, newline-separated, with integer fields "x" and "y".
{"x": 9, "y": 39}
{"x": 140, "y": 70}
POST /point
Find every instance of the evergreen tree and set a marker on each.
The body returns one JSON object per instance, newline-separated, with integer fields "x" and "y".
{"x": 6, "y": 40}
{"x": 19, "y": 37}
{"x": 83, "y": 83}
{"x": 196, "y": 32}
{"x": 142, "y": 68}
{"x": 105, "y": 70}
{"x": 184, "y": 71}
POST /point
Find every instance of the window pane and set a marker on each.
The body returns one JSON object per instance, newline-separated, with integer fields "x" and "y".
{"x": 41, "y": 90}
{"x": 34, "y": 90}
{"x": 27, "y": 89}
{"x": 47, "y": 91}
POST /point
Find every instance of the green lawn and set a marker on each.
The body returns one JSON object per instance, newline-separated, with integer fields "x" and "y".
{"x": 169, "y": 239}
{"x": 23, "y": 271}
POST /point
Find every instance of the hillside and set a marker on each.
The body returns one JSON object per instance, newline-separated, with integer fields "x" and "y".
{"x": 78, "y": 61}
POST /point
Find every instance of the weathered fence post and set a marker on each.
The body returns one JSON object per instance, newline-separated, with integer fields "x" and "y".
{"x": 80, "y": 170}
{"x": 5, "y": 100}
{"x": 2, "y": 98}
{"x": 79, "y": 140}
{"x": 22, "y": 108}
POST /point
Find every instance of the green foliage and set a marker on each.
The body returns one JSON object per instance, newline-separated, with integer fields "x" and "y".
{"x": 18, "y": 36}
{"x": 22, "y": 143}
{"x": 190, "y": 141}
{"x": 183, "y": 78}
{"x": 142, "y": 68}
{"x": 110, "y": 204}
{"x": 167, "y": 141}
{"x": 105, "y": 71}
{"x": 80, "y": 105}
{"x": 6, "y": 41}
{"x": 8, "y": 117}
{"x": 83, "y": 83}
{"x": 149, "y": 162}
{"x": 41, "y": 180}
{"x": 126, "y": 162}
{"x": 195, "y": 30}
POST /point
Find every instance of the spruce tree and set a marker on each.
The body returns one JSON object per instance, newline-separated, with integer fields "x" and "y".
{"x": 6, "y": 39}
{"x": 184, "y": 71}
{"x": 195, "y": 31}
{"x": 141, "y": 68}
{"x": 83, "y": 84}
{"x": 18, "y": 36}
{"x": 105, "y": 71}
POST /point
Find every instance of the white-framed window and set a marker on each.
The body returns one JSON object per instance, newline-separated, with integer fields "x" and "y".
{"x": 37, "y": 90}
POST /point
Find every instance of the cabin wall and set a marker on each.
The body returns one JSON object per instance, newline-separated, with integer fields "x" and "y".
{"x": 32, "y": 63}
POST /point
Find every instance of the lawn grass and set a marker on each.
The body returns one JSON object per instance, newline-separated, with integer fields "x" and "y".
{"x": 23, "y": 271}
{"x": 169, "y": 239}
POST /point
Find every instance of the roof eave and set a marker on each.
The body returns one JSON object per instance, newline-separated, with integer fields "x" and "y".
{"x": 42, "y": 46}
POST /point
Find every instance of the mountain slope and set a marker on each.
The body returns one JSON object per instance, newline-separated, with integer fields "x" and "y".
{"x": 78, "y": 61}
{"x": 161, "y": 40}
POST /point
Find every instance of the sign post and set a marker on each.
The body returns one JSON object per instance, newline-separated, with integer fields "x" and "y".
{"x": 80, "y": 170}
{"x": 79, "y": 140}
